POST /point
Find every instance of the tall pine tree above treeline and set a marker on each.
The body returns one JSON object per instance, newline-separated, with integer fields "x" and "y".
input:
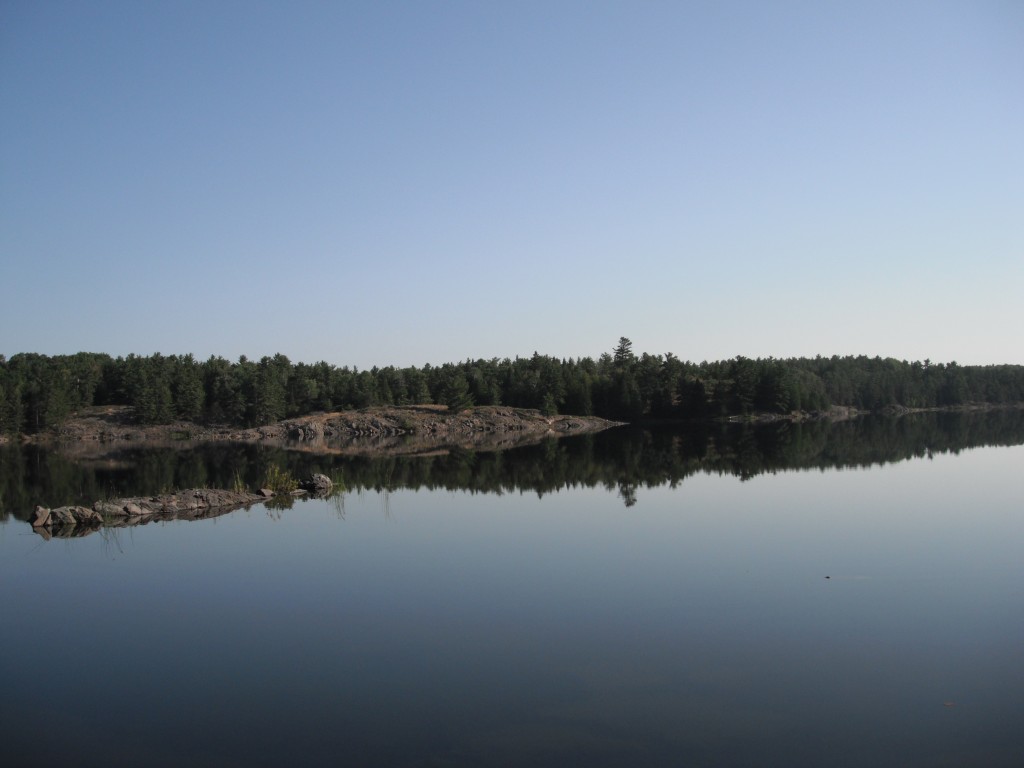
{"x": 37, "y": 391}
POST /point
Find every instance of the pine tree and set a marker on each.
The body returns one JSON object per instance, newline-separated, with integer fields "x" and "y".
{"x": 624, "y": 356}
{"x": 455, "y": 392}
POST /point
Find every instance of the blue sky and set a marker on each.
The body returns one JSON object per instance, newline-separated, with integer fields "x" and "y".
{"x": 409, "y": 182}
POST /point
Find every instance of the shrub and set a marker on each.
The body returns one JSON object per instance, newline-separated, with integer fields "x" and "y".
{"x": 279, "y": 480}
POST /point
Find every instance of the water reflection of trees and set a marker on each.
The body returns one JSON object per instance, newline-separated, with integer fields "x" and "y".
{"x": 621, "y": 460}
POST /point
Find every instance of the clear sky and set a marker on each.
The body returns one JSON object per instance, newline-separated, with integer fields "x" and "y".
{"x": 375, "y": 183}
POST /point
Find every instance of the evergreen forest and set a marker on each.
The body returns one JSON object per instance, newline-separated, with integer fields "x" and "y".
{"x": 39, "y": 391}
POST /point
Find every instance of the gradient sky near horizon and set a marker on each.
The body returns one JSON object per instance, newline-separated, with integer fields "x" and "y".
{"x": 375, "y": 183}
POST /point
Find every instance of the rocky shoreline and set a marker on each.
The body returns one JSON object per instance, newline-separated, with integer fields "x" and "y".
{"x": 387, "y": 430}
{"x": 369, "y": 430}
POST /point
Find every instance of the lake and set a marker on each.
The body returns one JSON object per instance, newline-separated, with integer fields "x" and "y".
{"x": 790, "y": 595}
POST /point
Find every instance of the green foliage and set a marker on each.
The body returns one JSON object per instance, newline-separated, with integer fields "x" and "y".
{"x": 455, "y": 391}
{"x": 624, "y": 357}
{"x": 148, "y": 384}
{"x": 279, "y": 480}
{"x": 337, "y": 481}
{"x": 39, "y": 392}
{"x": 548, "y": 407}
{"x": 269, "y": 385}
{"x": 187, "y": 389}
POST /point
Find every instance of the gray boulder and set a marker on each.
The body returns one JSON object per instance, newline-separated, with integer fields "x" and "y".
{"x": 318, "y": 485}
{"x": 40, "y": 517}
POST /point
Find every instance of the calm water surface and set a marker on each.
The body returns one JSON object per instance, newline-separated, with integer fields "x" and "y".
{"x": 443, "y": 627}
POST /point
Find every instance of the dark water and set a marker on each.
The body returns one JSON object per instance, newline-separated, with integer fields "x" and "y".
{"x": 635, "y": 598}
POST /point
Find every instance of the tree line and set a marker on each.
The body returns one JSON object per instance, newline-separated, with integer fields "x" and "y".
{"x": 39, "y": 391}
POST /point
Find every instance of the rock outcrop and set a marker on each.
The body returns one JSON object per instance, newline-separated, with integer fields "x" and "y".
{"x": 193, "y": 504}
{"x": 425, "y": 426}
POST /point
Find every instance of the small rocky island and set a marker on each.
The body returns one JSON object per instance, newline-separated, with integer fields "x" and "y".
{"x": 192, "y": 504}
